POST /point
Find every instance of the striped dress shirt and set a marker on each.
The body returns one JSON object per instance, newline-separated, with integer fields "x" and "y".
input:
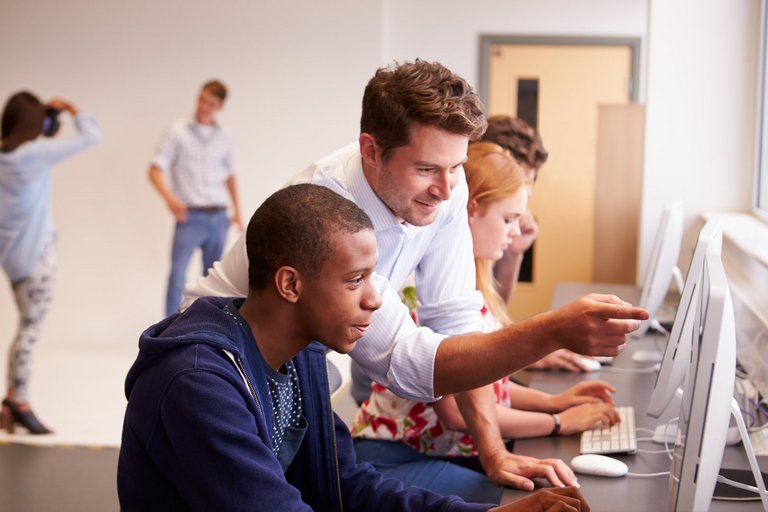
{"x": 198, "y": 159}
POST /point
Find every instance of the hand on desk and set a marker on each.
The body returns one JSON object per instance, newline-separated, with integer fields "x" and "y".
{"x": 562, "y": 359}
{"x": 558, "y": 499}
{"x": 517, "y": 471}
{"x": 585, "y": 392}
{"x": 594, "y": 324}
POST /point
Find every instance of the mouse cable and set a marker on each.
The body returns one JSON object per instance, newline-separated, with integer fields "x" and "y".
{"x": 650, "y": 439}
{"x": 646, "y": 475}
{"x": 667, "y": 448}
{"x": 644, "y": 369}
{"x": 656, "y": 451}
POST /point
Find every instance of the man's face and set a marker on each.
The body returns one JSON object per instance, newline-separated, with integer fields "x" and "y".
{"x": 420, "y": 176}
{"x": 208, "y": 106}
{"x": 337, "y": 305}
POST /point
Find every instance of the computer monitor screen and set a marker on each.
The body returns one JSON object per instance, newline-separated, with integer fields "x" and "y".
{"x": 662, "y": 263}
{"x": 677, "y": 353}
{"x": 705, "y": 410}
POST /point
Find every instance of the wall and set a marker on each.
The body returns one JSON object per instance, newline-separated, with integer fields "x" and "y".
{"x": 449, "y": 30}
{"x": 700, "y": 117}
{"x": 700, "y": 126}
{"x": 296, "y": 70}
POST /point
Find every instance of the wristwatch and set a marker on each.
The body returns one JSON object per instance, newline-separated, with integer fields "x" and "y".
{"x": 556, "y": 428}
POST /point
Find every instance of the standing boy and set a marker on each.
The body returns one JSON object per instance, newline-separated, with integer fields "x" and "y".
{"x": 197, "y": 155}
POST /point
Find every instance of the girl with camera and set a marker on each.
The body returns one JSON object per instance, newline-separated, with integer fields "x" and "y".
{"x": 28, "y": 152}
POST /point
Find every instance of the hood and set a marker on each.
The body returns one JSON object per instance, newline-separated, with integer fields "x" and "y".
{"x": 205, "y": 321}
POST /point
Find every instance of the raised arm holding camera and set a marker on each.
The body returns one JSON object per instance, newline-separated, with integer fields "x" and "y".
{"x": 28, "y": 152}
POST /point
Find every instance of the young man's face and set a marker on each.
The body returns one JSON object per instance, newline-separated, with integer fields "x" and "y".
{"x": 338, "y": 304}
{"x": 208, "y": 106}
{"x": 420, "y": 176}
{"x": 492, "y": 230}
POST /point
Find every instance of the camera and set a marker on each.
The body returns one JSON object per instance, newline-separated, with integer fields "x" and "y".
{"x": 51, "y": 121}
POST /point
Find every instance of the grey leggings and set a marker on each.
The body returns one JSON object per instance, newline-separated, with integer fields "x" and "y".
{"x": 33, "y": 295}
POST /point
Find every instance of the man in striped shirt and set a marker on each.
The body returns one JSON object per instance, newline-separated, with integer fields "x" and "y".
{"x": 196, "y": 154}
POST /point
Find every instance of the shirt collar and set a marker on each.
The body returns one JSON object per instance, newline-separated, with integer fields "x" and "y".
{"x": 193, "y": 124}
{"x": 380, "y": 214}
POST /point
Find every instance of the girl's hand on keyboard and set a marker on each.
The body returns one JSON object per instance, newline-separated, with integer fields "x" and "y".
{"x": 586, "y": 392}
{"x": 587, "y": 416}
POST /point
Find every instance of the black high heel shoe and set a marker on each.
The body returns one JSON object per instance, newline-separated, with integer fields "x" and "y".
{"x": 11, "y": 415}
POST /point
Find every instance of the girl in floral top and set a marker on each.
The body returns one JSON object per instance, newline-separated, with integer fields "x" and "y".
{"x": 427, "y": 444}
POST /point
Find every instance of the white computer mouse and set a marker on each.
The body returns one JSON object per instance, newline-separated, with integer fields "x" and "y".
{"x": 587, "y": 362}
{"x": 600, "y": 465}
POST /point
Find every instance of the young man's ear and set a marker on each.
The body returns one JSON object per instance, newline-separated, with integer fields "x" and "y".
{"x": 288, "y": 283}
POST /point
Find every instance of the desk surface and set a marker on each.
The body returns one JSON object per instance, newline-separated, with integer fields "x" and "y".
{"x": 627, "y": 493}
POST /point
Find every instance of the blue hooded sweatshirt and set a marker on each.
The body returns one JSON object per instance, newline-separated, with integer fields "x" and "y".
{"x": 196, "y": 434}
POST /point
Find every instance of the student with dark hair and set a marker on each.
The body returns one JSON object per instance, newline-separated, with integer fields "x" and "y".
{"x": 197, "y": 156}
{"x": 525, "y": 145}
{"x": 405, "y": 171}
{"x": 28, "y": 152}
{"x": 228, "y": 402}
{"x": 522, "y": 140}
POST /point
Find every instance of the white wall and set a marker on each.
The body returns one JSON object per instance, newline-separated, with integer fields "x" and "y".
{"x": 296, "y": 70}
{"x": 700, "y": 117}
{"x": 449, "y": 30}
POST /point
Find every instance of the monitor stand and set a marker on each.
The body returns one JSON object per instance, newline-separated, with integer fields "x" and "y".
{"x": 736, "y": 413}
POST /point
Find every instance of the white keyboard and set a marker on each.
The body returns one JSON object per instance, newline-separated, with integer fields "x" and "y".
{"x": 618, "y": 438}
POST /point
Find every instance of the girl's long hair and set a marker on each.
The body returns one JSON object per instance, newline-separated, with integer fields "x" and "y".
{"x": 22, "y": 120}
{"x": 492, "y": 175}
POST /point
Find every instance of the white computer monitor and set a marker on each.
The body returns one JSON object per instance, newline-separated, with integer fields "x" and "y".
{"x": 662, "y": 262}
{"x": 677, "y": 353}
{"x": 705, "y": 410}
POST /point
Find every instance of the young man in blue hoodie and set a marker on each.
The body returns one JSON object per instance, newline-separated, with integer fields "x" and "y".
{"x": 228, "y": 402}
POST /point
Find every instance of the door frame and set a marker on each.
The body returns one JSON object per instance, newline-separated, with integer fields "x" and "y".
{"x": 486, "y": 40}
{"x": 532, "y": 299}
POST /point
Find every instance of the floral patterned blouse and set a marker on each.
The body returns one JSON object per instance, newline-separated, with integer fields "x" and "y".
{"x": 388, "y": 417}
